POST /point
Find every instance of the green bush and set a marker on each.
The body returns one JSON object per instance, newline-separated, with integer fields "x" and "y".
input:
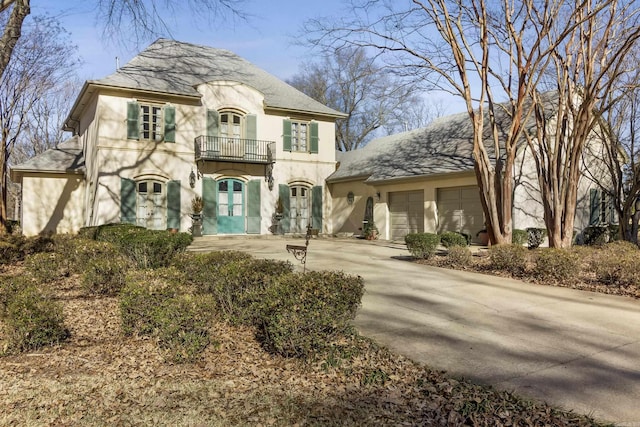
{"x": 9, "y": 252}
{"x": 182, "y": 327}
{"x": 303, "y": 313}
{"x": 238, "y": 287}
{"x": 79, "y": 252}
{"x": 143, "y": 293}
{"x": 200, "y": 268}
{"x": 595, "y": 235}
{"x": 556, "y": 265}
{"x": 535, "y": 237}
{"x": 519, "y": 237}
{"x": 452, "y": 238}
{"x": 155, "y": 303}
{"x": 105, "y": 276}
{"x": 31, "y": 319}
{"x": 617, "y": 263}
{"x": 422, "y": 245}
{"x": 146, "y": 248}
{"x": 510, "y": 258}
{"x": 458, "y": 256}
{"x": 47, "y": 267}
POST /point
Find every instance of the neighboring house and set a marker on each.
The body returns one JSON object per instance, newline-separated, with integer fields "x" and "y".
{"x": 178, "y": 121}
{"x": 424, "y": 181}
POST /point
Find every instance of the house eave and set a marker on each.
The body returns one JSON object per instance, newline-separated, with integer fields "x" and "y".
{"x": 91, "y": 87}
{"x": 282, "y": 110}
{"x": 430, "y": 176}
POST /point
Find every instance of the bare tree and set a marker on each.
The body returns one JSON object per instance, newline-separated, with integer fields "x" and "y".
{"x": 588, "y": 65}
{"x": 42, "y": 60}
{"x": 350, "y": 81}
{"x": 621, "y": 158}
{"x": 494, "y": 55}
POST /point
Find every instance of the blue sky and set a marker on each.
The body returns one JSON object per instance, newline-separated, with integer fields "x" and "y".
{"x": 266, "y": 38}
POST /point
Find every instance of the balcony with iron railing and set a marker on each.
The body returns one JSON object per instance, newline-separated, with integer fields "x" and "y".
{"x": 224, "y": 149}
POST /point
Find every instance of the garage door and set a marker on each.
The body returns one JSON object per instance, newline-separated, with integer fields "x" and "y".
{"x": 407, "y": 213}
{"x": 459, "y": 209}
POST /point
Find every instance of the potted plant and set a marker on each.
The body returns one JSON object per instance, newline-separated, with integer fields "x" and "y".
{"x": 483, "y": 237}
{"x": 279, "y": 210}
{"x": 370, "y": 230}
{"x": 197, "y": 205}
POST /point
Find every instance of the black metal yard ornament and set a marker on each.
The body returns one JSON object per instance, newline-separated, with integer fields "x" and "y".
{"x": 300, "y": 252}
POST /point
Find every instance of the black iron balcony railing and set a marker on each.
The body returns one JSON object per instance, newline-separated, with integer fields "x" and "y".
{"x": 223, "y": 149}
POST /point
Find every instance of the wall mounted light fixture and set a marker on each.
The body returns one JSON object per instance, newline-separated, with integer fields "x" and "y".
{"x": 350, "y": 197}
{"x": 378, "y": 195}
{"x": 192, "y": 179}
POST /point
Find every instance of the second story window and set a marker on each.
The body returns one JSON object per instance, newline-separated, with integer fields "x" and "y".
{"x": 151, "y": 122}
{"x": 300, "y": 136}
{"x": 230, "y": 125}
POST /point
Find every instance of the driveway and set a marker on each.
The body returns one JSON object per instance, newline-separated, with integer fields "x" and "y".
{"x": 575, "y": 349}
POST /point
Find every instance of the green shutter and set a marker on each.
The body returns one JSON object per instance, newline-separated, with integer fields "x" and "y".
{"x": 169, "y": 124}
{"x": 133, "y": 112}
{"x": 251, "y": 134}
{"x": 314, "y": 136}
{"x": 210, "y": 211}
{"x": 286, "y": 135}
{"x": 213, "y": 120}
{"x": 173, "y": 204}
{"x": 253, "y": 207}
{"x": 285, "y": 222}
{"x": 316, "y": 207}
{"x": 594, "y": 205}
{"x": 127, "y": 200}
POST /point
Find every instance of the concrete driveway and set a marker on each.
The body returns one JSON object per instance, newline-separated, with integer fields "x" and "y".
{"x": 575, "y": 349}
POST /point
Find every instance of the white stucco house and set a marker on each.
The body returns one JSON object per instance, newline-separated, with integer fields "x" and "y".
{"x": 179, "y": 121}
{"x": 424, "y": 181}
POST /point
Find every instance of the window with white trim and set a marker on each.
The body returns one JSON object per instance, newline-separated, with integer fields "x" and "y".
{"x": 299, "y": 136}
{"x": 151, "y": 122}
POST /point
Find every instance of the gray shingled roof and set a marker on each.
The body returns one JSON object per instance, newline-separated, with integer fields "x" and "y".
{"x": 67, "y": 157}
{"x": 444, "y": 146}
{"x": 175, "y": 67}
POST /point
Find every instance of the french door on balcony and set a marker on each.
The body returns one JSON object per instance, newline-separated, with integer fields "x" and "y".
{"x": 231, "y": 218}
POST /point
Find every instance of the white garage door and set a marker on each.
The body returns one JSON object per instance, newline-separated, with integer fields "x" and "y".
{"x": 407, "y": 213}
{"x": 459, "y": 209}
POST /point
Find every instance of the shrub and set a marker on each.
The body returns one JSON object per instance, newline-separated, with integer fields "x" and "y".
{"x": 558, "y": 265}
{"x": 9, "y": 252}
{"x": 422, "y": 245}
{"x": 143, "y": 293}
{"x": 617, "y": 264}
{"x": 458, "y": 256}
{"x": 105, "y": 276}
{"x": 510, "y": 258}
{"x": 535, "y": 237}
{"x": 199, "y": 268}
{"x": 47, "y": 267}
{"x": 303, "y": 313}
{"x": 31, "y": 319}
{"x": 452, "y": 238}
{"x": 519, "y": 237}
{"x": 80, "y": 252}
{"x": 182, "y": 327}
{"x": 146, "y": 248}
{"x": 238, "y": 287}
{"x": 595, "y": 235}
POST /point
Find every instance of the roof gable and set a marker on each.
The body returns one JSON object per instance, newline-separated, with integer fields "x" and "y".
{"x": 66, "y": 157}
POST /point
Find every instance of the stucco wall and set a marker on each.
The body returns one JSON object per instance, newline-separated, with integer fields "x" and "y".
{"x": 54, "y": 205}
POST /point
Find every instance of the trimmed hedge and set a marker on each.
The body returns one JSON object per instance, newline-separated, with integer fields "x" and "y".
{"x": 452, "y": 238}
{"x": 519, "y": 237}
{"x": 556, "y": 265}
{"x": 458, "y": 256}
{"x": 146, "y": 248}
{"x": 31, "y": 319}
{"x": 616, "y": 263}
{"x": 303, "y": 313}
{"x": 422, "y": 245}
{"x": 510, "y": 258}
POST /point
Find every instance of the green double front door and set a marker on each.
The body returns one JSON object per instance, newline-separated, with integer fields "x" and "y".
{"x": 231, "y": 218}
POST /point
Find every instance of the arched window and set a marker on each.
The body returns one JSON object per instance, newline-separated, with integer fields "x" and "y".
{"x": 151, "y": 204}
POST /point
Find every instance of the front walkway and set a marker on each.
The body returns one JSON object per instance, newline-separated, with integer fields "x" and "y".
{"x": 575, "y": 349}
